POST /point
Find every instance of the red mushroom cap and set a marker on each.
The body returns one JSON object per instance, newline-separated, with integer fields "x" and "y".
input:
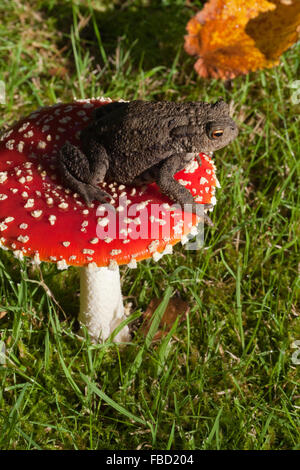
{"x": 41, "y": 218}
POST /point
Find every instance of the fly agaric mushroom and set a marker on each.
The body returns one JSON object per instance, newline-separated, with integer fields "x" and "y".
{"x": 43, "y": 220}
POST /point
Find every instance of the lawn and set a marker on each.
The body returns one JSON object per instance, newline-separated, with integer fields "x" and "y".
{"x": 227, "y": 377}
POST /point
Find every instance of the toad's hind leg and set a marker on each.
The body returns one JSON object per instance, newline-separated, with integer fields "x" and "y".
{"x": 81, "y": 176}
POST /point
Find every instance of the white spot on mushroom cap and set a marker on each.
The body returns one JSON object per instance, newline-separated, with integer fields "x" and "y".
{"x": 28, "y": 134}
{"x": 29, "y": 203}
{"x": 125, "y": 231}
{"x": 184, "y": 182}
{"x": 113, "y": 265}
{"x": 103, "y": 222}
{"x": 36, "y": 214}
{"x": 6, "y": 134}
{"x": 3, "y": 176}
{"x": 20, "y": 146}
{"x": 63, "y": 205}
{"x": 191, "y": 167}
{"x": 213, "y": 200}
{"x": 153, "y": 245}
{"x": 184, "y": 239}
{"x": 68, "y": 108}
{"x": 132, "y": 263}
{"x": 10, "y": 144}
{"x": 41, "y": 144}
{"x": 88, "y": 251}
{"x": 65, "y": 119}
{"x": 115, "y": 252}
{"x": 168, "y": 249}
{"x": 156, "y": 256}
{"x": 203, "y": 180}
{"x": 3, "y": 240}
{"x": 18, "y": 254}
{"x": 24, "y": 126}
{"x": 178, "y": 227}
{"x": 52, "y": 219}
{"x": 62, "y": 264}
{"x": 142, "y": 205}
{"x": 23, "y": 239}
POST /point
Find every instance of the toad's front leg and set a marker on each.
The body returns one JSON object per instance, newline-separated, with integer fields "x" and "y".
{"x": 82, "y": 174}
{"x": 177, "y": 192}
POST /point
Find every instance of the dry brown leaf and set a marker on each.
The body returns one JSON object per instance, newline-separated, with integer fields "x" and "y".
{"x": 3, "y": 313}
{"x": 58, "y": 71}
{"x": 175, "y": 308}
{"x": 233, "y": 37}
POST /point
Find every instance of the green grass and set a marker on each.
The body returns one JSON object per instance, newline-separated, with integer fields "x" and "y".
{"x": 224, "y": 378}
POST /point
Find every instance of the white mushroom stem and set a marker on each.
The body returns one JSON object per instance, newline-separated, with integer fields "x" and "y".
{"x": 101, "y": 304}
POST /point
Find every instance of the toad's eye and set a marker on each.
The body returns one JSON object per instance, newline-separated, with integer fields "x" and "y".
{"x": 216, "y": 133}
{"x": 214, "y": 130}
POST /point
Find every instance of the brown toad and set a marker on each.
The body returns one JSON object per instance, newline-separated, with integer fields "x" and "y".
{"x": 143, "y": 141}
